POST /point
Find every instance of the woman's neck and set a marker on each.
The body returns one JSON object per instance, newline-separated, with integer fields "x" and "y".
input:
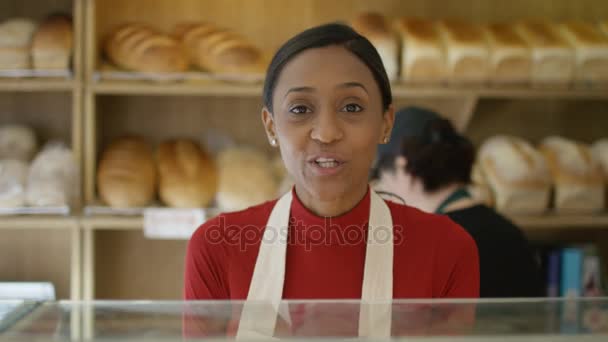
{"x": 332, "y": 207}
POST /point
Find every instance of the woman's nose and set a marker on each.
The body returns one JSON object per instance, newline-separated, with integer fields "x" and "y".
{"x": 326, "y": 127}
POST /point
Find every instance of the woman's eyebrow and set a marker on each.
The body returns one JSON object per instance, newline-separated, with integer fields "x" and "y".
{"x": 352, "y": 85}
{"x": 299, "y": 89}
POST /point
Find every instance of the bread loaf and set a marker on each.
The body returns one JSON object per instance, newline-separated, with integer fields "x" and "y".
{"x": 246, "y": 178}
{"x": 138, "y": 47}
{"x": 479, "y": 188}
{"x": 17, "y": 142}
{"x": 577, "y": 176}
{"x": 517, "y": 174}
{"x": 510, "y": 57}
{"x": 378, "y": 31}
{"x": 218, "y": 50}
{"x": 13, "y": 180}
{"x": 127, "y": 173}
{"x": 52, "y": 44}
{"x": 53, "y": 178}
{"x": 467, "y": 54}
{"x": 15, "y": 42}
{"x": 591, "y": 51}
{"x": 552, "y": 57}
{"x": 187, "y": 174}
{"x": 600, "y": 153}
{"x": 422, "y": 54}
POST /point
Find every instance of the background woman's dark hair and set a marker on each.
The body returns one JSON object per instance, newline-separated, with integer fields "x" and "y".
{"x": 439, "y": 157}
{"x": 326, "y": 35}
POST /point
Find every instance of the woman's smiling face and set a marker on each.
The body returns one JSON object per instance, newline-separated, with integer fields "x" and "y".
{"x": 328, "y": 119}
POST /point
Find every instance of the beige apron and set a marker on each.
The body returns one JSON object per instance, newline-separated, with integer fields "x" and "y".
{"x": 259, "y": 315}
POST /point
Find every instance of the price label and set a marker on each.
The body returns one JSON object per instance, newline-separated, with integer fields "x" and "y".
{"x": 170, "y": 223}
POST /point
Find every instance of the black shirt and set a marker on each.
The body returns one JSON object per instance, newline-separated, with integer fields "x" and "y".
{"x": 507, "y": 267}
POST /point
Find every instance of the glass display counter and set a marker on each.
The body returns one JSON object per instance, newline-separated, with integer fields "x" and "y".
{"x": 408, "y": 320}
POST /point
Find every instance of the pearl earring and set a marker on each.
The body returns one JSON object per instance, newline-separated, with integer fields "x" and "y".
{"x": 273, "y": 142}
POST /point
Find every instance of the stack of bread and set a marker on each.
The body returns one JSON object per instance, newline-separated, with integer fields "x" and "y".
{"x": 378, "y": 31}
{"x": 479, "y": 188}
{"x": 24, "y": 44}
{"x": 138, "y": 47}
{"x": 517, "y": 173}
{"x": 204, "y": 46}
{"x": 52, "y": 179}
{"x": 219, "y": 50}
{"x": 537, "y": 52}
{"x": 129, "y": 174}
{"x": 523, "y": 178}
{"x": 577, "y": 175}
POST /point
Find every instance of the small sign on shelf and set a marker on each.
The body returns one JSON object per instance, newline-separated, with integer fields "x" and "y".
{"x": 172, "y": 223}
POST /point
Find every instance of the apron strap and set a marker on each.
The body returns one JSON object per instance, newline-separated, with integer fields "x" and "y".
{"x": 453, "y": 197}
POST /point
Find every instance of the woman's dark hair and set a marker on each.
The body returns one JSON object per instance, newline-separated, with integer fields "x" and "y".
{"x": 439, "y": 157}
{"x": 326, "y": 35}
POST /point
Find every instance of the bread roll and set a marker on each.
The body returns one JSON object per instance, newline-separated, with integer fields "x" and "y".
{"x": 138, "y": 47}
{"x": 510, "y": 57}
{"x": 591, "y": 51}
{"x": 422, "y": 54}
{"x": 600, "y": 153}
{"x": 13, "y": 179}
{"x": 15, "y": 41}
{"x": 552, "y": 57}
{"x": 517, "y": 174}
{"x": 219, "y": 50}
{"x": 53, "y": 178}
{"x": 467, "y": 54}
{"x": 17, "y": 142}
{"x": 52, "y": 44}
{"x": 246, "y": 179}
{"x": 187, "y": 175}
{"x": 577, "y": 176}
{"x": 377, "y": 30}
{"x": 127, "y": 174}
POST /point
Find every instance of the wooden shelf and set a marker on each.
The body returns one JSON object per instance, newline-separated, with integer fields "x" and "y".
{"x": 37, "y": 85}
{"x": 547, "y": 222}
{"x": 225, "y": 88}
{"x": 527, "y": 223}
{"x": 31, "y": 222}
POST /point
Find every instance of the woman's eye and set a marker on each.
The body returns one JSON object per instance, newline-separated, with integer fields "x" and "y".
{"x": 299, "y": 109}
{"x": 352, "y": 108}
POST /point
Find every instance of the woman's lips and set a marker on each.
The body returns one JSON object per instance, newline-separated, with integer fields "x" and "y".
{"x": 326, "y": 165}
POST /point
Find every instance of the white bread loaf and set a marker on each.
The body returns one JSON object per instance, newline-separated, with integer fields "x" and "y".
{"x": 576, "y": 174}
{"x": 246, "y": 178}
{"x": 600, "y": 153}
{"x": 127, "y": 173}
{"x": 52, "y": 44}
{"x": 53, "y": 178}
{"x": 510, "y": 57}
{"x": 15, "y": 41}
{"x": 187, "y": 174}
{"x": 591, "y": 51}
{"x": 552, "y": 57}
{"x": 17, "y": 142}
{"x": 13, "y": 180}
{"x": 376, "y": 28}
{"x": 138, "y": 47}
{"x": 422, "y": 53}
{"x": 467, "y": 53}
{"x": 517, "y": 174}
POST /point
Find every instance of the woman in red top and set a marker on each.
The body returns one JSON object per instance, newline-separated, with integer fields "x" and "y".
{"x": 327, "y": 105}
